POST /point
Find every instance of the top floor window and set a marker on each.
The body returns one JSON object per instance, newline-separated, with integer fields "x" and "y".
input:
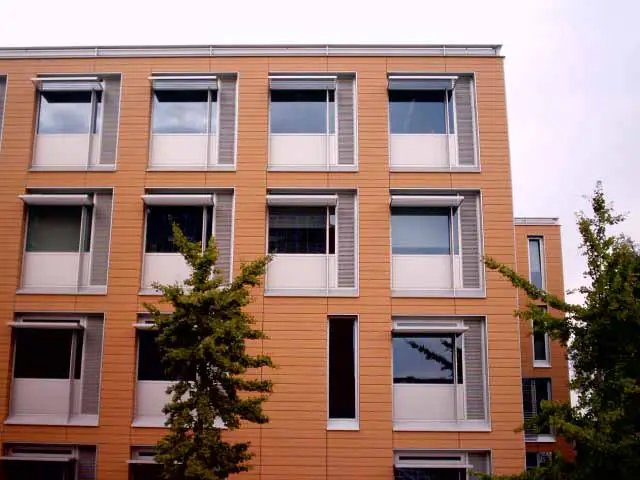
{"x": 536, "y": 261}
{"x": 70, "y": 111}
{"x": 421, "y": 111}
{"x": 302, "y": 111}
{"x": 184, "y": 111}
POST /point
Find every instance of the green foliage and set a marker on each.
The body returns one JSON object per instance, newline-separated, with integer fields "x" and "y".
{"x": 203, "y": 346}
{"x": 602, "y": 338}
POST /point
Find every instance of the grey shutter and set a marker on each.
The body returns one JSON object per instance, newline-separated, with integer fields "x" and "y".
{"x": 346, "y": 242}
{"x": 224, "y": 232}
{"x": 227, "y": 121}
{"x": 185, "y": 84}
{"x": 479, "y": 462}
{"x": 86, "y": 463}
{"x": 346, "y": 120}
{"x": 110, "y": 120}
{"x": 475, "y": 378}
{"x": 470, "y": 233}
{"x": 302, "y": 83}
{"x": 419, "y": 84}
{"x": 92, "y": 365}
{"x": 3, "y": 92}
{"x": 103, "y": 203}
{"x": 465, "y": 121}
{"x": 529, "y": 404}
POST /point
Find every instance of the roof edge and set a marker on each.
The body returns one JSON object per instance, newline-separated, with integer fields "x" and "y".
{"x": 536, "y": 221}
{"x": 328, "y": 50}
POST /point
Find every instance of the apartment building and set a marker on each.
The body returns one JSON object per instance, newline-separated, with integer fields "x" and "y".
{"x": 377, "y": 176}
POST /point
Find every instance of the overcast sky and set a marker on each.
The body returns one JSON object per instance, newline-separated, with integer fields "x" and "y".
{"x": 572, "y": 72}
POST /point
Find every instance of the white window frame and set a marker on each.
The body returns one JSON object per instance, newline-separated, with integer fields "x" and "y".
{"x": 346, "y": 423}
{"x": 543, "y": 261}
{"x": 546, "y": 363}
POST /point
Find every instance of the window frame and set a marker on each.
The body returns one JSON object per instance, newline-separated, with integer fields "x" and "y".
{"x": 340, "y": 423}
{"x": 205, "y": 224}
{"x": 87, "y": 228}
{"x": 209, "y": 116}
{"x": 451, "y": 119}
{"x": 537, "y": 363}
{"x": 533, "y": 387}
{"x": 330, "y": 230}
{"x": 543, "y": 273}
{"x": 96, "y": 113}
{"x": 454, "y": 226}
{"x": 328, "y": 117}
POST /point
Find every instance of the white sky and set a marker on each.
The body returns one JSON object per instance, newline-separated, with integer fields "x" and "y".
{"x": 572, "y": 68}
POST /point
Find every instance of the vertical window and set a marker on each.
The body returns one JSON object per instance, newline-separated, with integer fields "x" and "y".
{"x": 421, "y": 111}
{"x": 537, "y": 459}
{"x": 149, "y": 359}
{"x": 424, "y": 231}
{"x": 342, "y": 368}
{"x": 536, "y": 261}
{"x": 196, "y": 223}
{"x": 47, "y": 353}
{"x": 69, "y": 112}
{"x": 540, "y": 347}
{"x": 184, "y": 111}
{"x": 302, "y": 230}
{"x": 302, "y": 111}
{"x": 58, "y": 229}
{"x": 427, "y": 358}
{"x": 534, "y": 391}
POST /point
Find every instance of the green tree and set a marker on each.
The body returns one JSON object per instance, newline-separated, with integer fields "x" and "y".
{"x": 602, "y": 339}
{"x": 203, "y": 346}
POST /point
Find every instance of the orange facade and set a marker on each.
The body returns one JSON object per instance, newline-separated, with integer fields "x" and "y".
{"x": 296, "y": 443}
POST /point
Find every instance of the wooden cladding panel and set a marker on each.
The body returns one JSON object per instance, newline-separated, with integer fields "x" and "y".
{"x": 296, "y": 326}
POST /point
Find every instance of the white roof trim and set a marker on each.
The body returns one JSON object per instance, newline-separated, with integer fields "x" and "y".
{"x": 536, "y": 221}
{"x": 426, "y": 200}
{"x": 178, "y": 200}
{"x": 56, "y": 199}
{"x": 302, "y": 200}
{"x": 473, "y": 50}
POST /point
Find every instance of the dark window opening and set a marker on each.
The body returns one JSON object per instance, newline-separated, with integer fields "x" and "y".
{"x": 57, "y": 229}
{"x": 190, "y": 219}
{"x": 302, "y": 111}
{"x": 540, "y": 347}
{"x": 342, "y": 368}
{"x": 430, "y": 474}
{"x": 46, "y": 353}
{"x": 421, "y": 111}
{"x": 149, "y": 358}
{"x": 38, "y": 470}
{"x": 427, "y": 358}
{"x": 302, "y": 230}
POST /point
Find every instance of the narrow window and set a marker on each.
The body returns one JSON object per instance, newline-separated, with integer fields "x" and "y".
{"x": 540, "y": 347}
{"x": 424, "y": 231}
{"x": 302, "y": 111}
{"x": 69, "y": 112}
{"x": 427, "y": 358}
{"x": 308, "y": 230}
{"x": 195, "y": 222}
{"x": 342, "y": 368}
{"x": 184, "y": 111}
{"x": 534, "y": 391}
{"x": 536, "y": 255}
{"x": 421, "y": 111}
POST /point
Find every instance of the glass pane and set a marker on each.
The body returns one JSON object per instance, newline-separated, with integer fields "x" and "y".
{"x": 22, "y": 470}
{"x": 160, "y": 227}
{"x": 98, "y": 122}
{"x": 535, "y": 261}
{"x": 146, "y": 472}
{"x": 540, "y": 346}
{"x": 298, "y": 230}
{"x": 42, "y": 353}
{"x": 149, "y": 359}
{"x": 420, "y": 231}
{"x": 430, "y": 474}
{"x": 417, "y": 111}
{"x": 177, "y": 111}
{"x": 298, "y": 111}
{"x": 342, "y": 378}
{"x": 332, "y": 111}
{"x": 423, "y": 359}
{"x": 64, "y": 112}
{"x": 53, "y": 229}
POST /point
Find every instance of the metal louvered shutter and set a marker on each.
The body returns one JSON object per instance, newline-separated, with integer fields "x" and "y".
{"x": 470, "y": 234}
{"x": 419, "y": 84}
{"x": 103, "y": 203}
{"x": 302, "y": 83}
{"x": 227, "y": 121}
{"x": 3, "y": 92}
{"x": 92, "y": 365}
{"x": 346, "y": 120}
{"x": 110, "y": 121}
{"x": 475, "y": 378}
{"x": 224, "y": 232}
{"x": 479, "y": 462}
{"x": 346, "y": 231}
{"x": 87, "y": 463}
{"x": 465, "y": 120}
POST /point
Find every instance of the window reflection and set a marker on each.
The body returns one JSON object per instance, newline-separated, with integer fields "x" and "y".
{"x": 301, "y": 230}
{"x": 68, "y": 112}
{"x": 302, "y": 111}
{"x": 423, "y": 231}
{"x": 183, "y": 111}
{"x": 421, "y": 111}
{"x": 160, "y": 222}
{"x": 426, "y": 358}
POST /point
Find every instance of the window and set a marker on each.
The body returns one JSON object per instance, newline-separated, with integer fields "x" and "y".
{"x": 421, "y": 111}
{"x": 537, "y": 459}
{"x": 58, "y": 229}
{"x": 342, "y": 368}
{"x": 149, "y": 359}
{"x": 302, "y": 111}
{"x": 427, "y": 358}
{"x": 70, "y": 112}
{"x": 193, "y": 220}
{"x": 184, "y": 111}
{"x": 47, "y": 353}
{"x": 540, "y": 347}
{"x": 534, "y": 391}
{"x": 536, "y": 256}
{"x": 424, "y": 231}
{"x": 302, "y": 230}
{"x": 430, "y": 474}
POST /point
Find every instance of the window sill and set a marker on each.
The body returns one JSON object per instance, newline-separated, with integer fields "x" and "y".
{"x": 75, "y": 420}
{"x": 442, "y": 293}
{"x": 102, "y": 290}
{"x": 541, "y": 364}
{"x": 302, "y": 292}
{"x": 312, "y": 168}
{"x": 543, "y": 438}
{"x": 342, "y": 424}
{"x": 417, "y": 169}
{"x": 73, "y": 168}
{"x": 209, "y": 168}
{"x": 441, "y": 426}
